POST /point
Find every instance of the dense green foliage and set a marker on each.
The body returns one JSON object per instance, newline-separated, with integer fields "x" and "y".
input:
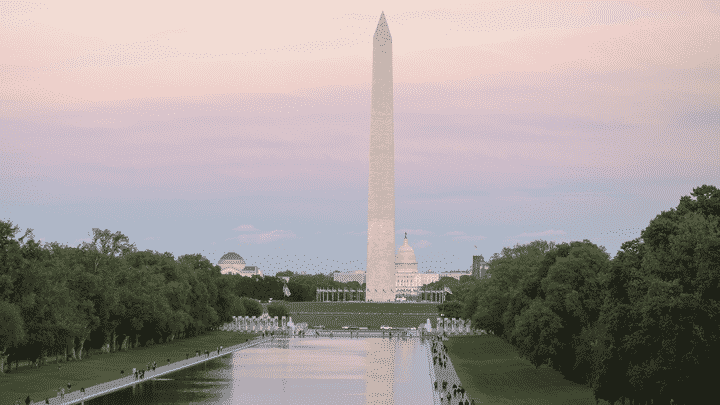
{"x": 303, "y": 286}
{"x": 644, "y": 325}
{"x": 278, "y": 309}
{"x": 105, "y": 294}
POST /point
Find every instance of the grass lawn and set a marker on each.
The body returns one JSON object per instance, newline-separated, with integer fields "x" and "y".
{"x": 100, "y": 368}
{"x": 334, "y": 315}
{"x": 358, "y": 307}
{"x": 491, "y": 371}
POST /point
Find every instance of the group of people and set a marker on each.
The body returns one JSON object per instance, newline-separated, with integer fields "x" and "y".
{"x": 440, "y": 357}
{"x": 60, "y": 394}
{"x": 139, "y": 374}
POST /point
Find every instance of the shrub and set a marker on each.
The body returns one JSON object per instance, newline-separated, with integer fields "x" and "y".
{"x": 236, "y": 307}
{"x": 278, "y": 309}
{"x": 252, "y": 307}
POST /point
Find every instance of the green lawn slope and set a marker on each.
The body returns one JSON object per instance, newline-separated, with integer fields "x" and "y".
{"x": 491, "y": 371}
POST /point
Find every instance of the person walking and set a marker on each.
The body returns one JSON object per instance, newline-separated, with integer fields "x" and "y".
{"x": 82, "y": 390}
{"x": 27, "y": 400}
{"x": 154, "y": 365}
{"x": 62, "y": 394}
{"x": 122, "y": 373}
{"x": 47, "y": 400}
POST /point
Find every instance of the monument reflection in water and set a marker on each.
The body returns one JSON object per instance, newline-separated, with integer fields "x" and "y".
{"x": 297, "y": 371}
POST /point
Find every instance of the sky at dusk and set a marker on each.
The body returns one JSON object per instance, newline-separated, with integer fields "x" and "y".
{"x": 209, "y": 127}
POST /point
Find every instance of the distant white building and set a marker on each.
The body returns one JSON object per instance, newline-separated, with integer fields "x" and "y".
{"x": 455, "y": 274}
{"x": 358, "y": 275}
{"x": 233, "y": 263}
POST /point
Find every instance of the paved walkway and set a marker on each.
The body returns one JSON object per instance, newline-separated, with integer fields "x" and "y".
{"x": 433, "y": 373}
{"x": 76, "y": 396}
{"x": 445, "y": 374}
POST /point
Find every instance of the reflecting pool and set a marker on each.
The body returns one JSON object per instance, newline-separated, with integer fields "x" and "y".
{"x": 319, "y": 371}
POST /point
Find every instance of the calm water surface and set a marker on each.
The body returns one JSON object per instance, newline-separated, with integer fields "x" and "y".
{"x": 296, "y": 371}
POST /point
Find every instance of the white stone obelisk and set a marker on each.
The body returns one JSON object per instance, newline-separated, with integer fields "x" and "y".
{"x": 381, "y": 185}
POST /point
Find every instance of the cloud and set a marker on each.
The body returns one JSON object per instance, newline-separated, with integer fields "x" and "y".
{"x": 413, "y": 232}
{"x": 355, "y": 233}
{"x": 544, "y": 233}
{"x": 454, "y": 233}
{"x": 152, "y": 238}
{"x": 421, "y": 244}
{"x": 265, "y": 237}
{"x": 246, "y": 228}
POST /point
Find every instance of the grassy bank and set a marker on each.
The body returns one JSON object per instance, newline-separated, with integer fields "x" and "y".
{"x": 490, "y": 368}
{"x": 44, "y": 382}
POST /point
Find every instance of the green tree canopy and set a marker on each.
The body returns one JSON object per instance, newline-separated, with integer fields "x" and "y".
{"x": 278, "y": 309}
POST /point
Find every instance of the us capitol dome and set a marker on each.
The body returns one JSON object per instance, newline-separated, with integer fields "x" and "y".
{"x": 405, "y": 261}
{"x": 233, "y": 263}
{"x": 407, "y": 277}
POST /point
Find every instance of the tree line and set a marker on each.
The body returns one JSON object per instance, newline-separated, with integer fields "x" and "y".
{"x": 304, "y": 286}
{"x": 106, "y": 295}
{"x": 642, "y": 326}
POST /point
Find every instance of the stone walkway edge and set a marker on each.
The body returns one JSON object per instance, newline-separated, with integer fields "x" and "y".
{"x": 76, "y": 397}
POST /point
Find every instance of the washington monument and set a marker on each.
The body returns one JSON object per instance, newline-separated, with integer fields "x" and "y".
{"x": 381, "y": 185}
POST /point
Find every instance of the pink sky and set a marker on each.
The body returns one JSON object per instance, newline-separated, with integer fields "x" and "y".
{"x": 513, "y": 120}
